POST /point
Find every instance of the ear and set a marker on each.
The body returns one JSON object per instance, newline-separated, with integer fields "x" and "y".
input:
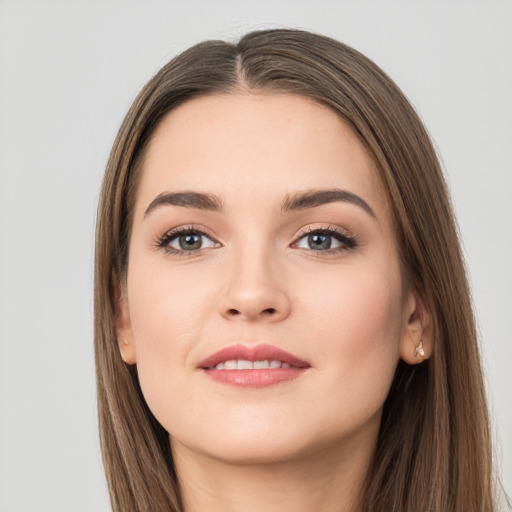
{"x": 124, "y": 332}
{"x": 417, "y": 335}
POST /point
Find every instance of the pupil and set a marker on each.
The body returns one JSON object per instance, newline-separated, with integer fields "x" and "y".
{"x": 319, "y": 241}
{"x": 190, "y": 242}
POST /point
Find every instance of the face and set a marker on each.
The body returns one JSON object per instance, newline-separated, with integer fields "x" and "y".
{"x": 262, "y": 239}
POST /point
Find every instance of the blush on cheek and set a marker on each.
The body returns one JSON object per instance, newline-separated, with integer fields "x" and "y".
{"x": 363, "y": 320}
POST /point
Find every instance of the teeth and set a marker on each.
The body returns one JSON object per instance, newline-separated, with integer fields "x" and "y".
{"x": 261, "y": 364}
{"x": 245, "y": 365}
{"x": 242, "y": 364}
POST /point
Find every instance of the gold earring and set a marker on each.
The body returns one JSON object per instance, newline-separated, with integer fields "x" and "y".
{"x": 419, "y": 350}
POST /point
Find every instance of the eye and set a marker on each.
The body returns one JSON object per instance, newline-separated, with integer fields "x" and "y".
{"x": 185, "y": 240}
{"x": 326, "y": 240}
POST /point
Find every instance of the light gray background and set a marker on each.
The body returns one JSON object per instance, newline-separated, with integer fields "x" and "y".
{"x": 68, "y": 73}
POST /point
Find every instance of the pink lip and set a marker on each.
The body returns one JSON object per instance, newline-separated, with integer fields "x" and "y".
{"x": 256, "y": 353}
{"x": 255, "y": 378}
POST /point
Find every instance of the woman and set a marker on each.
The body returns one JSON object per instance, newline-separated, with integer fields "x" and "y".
{"x": 282, "y": 317}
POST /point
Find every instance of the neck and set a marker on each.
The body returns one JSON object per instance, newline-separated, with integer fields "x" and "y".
{"x": 326, "y": 481}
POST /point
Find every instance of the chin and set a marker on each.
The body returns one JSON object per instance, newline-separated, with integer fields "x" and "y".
{"x": 254, "y": 452}
{"x": 265, "y": 442}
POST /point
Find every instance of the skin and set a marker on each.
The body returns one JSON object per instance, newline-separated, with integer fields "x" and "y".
{"x": 301, "y": 445}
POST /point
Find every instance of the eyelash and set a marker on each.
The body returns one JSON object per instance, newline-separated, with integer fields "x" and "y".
{"x": 348, "y": 241}
{"x": 167, "y": 238}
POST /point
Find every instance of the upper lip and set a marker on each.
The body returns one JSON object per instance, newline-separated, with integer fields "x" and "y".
{"x": 252, "y": 353}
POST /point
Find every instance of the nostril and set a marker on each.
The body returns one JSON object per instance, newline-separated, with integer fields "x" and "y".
{"x": 264, "y": 312}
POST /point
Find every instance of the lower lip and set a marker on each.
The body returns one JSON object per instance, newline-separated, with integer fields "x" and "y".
{"x": 255, "y": 378}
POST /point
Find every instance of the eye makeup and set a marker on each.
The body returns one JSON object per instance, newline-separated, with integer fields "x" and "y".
{"x": 325, "y": 240}
{"x": 185, "y": 241}
{"x": 191, "y": 240}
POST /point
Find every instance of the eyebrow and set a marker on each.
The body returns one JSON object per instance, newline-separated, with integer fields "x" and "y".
{"x": 298, "y": 201}
{"x": 313, "y": 198}
{"x": 196, "y": 200}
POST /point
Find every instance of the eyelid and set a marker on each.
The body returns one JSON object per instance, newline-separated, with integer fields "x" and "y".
{"x": 196, "y": 228}
{"x": 327, "y": 228}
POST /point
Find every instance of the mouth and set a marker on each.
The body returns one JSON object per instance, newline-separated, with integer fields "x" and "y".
{"x": 244, "y": 364}
{"x": 258, "y": 366}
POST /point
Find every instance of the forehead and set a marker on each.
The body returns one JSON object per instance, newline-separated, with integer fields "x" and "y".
{"x": 245, "y": 146}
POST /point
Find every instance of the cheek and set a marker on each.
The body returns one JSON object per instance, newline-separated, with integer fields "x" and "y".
{"x": 166, "y": 303}
{"x": 168, "y": 312}
{"x": 357, "y": 321}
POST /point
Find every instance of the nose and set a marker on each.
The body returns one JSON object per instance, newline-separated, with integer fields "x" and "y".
{"x": 255, "y": 290}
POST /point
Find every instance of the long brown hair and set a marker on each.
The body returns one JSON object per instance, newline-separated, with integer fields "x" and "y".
{"x": 434, "y": 450}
